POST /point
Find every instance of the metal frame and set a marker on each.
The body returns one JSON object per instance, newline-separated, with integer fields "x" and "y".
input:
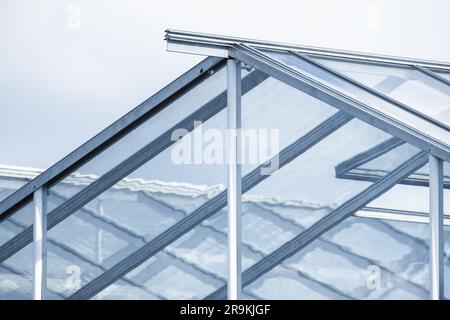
{"x": 421, "y": 139}
{"x": 40, "y": 244}
{"x": 208, "y": 209}
{"x": 217, "y": 45}
{"x": 328, "y": 222}
{"x": 128, "y": 166}
{"x": 111, "y": 134}
{"x": 436, "y": 229}
{"x": 234, "y": 187}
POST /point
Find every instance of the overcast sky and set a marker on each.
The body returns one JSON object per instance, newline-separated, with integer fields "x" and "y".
{"x": 62, "y": 82}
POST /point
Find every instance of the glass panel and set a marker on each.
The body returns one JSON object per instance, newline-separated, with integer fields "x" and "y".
{"x": 311, "y": 178}
{"x": 73, "y": 256}
{"x": 293, "y": 199}
{"x": 416, "y": 191}
{"x": 112, "y": 225}
{"x": 405, "y": 84}
{"x": 445, "y": 75}
{"x": 417, "y": 200}
{"x": 15, "y": 282}
{"x": 13, "y": 178}
{"x": 162, "y": 192}
{"x": 145, "y": 133}
{"x": 276, "y": 108}
{"x": 195, "y": 264}
{"x": 358, "y": 259}
{"x": 354, "y": 169}
{"x": 190, "y": 268}
{"x": 414, "y": 188}
{"x": 363, "y": 96}
{"x": 14, "y": 224}
{"x": 388, "y": 161}
{"x": 14, "y": 285}
{"x": 137, "y": 209}
{"x": 274, "y": 212}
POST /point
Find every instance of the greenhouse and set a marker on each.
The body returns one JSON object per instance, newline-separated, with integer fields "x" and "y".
{"x": 348, "y": 202}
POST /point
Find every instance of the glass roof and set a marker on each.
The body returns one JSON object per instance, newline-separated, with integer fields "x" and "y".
{"x": 410, "y": 115}
{"x": 411, "y": 87}
{"x": 126, "y": 221}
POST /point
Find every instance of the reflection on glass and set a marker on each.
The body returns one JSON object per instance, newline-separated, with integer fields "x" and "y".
{"x": 358, "y": 259}
{"x": 275, "y": 106}
{"x": 16, "y": 223}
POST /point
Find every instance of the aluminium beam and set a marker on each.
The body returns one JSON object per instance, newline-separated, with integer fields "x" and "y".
{"x": 234, "y": 124}
{"x": 436, "y": 228}
{"x": 328, "y": 222}
{"x": 111, "y": 134}
{"x": 128, "y": 166}
{"x": 423, "y": 134}
{"x": 208, "y": 209}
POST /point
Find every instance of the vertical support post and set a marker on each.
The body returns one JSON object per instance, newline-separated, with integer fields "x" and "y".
{"x": 40, "y": 244}
{"x": 436, "y": 228}
{"x": 99, "y": 238}
{"x": 234, "y": 179}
